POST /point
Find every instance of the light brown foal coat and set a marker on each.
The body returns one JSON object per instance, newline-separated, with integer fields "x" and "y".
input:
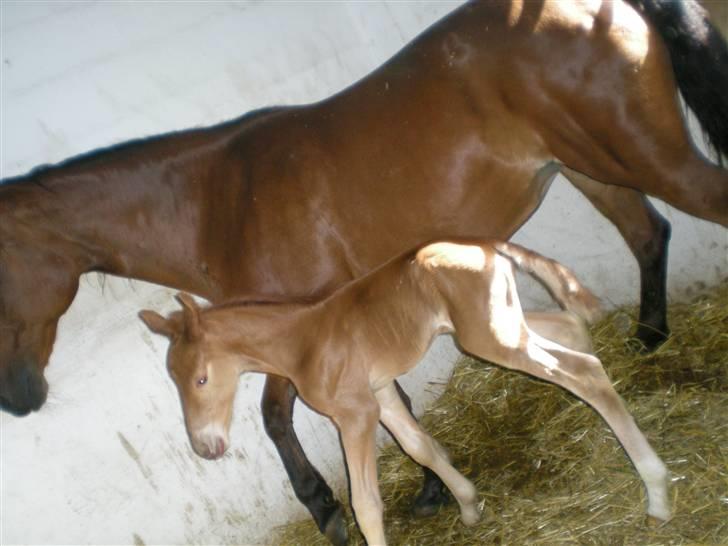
{"x": 343, "y": 354}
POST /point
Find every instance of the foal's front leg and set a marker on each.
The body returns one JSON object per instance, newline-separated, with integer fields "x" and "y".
{"x": 357, "y": 428}
{"x": 425, "y": 450}
{"x": 433, "y": 495}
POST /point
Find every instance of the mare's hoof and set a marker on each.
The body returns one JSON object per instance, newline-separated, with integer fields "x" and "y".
{"x": 647, "y": 339}
{"x": 429, "y": 502}
{"x": 335, "y": 529}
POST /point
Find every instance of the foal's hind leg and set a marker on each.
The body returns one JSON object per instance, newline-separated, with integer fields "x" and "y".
{"x": 426, "y": 451}
{"x": 584, "y": 376}
{"x": 564, "y": 327}
{"x": 647, "y": 234}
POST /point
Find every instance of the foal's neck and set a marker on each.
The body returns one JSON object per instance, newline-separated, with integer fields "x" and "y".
{"x": 267, "y": 337}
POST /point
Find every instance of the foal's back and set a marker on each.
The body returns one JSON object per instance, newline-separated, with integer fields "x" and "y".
{"x": 383, "y": 323}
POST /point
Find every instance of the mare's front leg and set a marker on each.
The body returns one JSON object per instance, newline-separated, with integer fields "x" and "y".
{"x": 434, "y": 493}
{"x": 647, "y": 234}
{"x": 310, "y": 487}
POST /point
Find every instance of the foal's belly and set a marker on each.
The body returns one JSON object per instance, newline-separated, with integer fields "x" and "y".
{"x": 408, "y": 352}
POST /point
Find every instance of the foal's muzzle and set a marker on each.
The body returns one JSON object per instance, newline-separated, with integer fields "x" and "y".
{"x": 22, "y": 390}
{"x": 209, "y": 443}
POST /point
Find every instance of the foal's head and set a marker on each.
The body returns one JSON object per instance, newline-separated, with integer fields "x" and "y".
{"x": 205, "y": 376}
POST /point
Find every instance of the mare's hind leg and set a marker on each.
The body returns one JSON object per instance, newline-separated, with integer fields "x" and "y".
{"x": 310, "y": 487}
{"x": 635, "y": 135}
{"x": 434, "y": 493}
{"x": 426, "y": 451}
{"x": 584, "y": 376}
{"x": 647, "y": 234}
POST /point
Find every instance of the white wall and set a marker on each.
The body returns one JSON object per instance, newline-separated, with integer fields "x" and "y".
{"x": 107, "y": 460}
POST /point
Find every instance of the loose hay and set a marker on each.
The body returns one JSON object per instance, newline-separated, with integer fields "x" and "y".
{"x": 547, "y": 467}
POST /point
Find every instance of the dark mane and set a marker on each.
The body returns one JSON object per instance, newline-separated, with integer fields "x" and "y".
{"x": 37, "y": 173}
{"x": 293, "y": 302}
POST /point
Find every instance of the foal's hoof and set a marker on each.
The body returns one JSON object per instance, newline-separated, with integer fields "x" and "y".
{"x": 429, "y": 502}
{"x": 470, "y": 515}
{"x": 335, "y": 529}
{"x": 654, "y": 521}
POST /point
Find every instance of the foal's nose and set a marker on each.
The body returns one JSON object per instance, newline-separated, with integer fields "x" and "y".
{"x": 210, "y": 446}
{"x": 217, "y": 448}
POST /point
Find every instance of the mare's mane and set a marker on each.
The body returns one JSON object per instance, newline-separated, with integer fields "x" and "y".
{"x": 36, "y": 173}
{"x": 288, "y": 302}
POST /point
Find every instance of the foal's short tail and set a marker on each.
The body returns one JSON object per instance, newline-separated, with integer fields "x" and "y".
{"x": 560, "y": 281}
{"x": 699, "y": 57}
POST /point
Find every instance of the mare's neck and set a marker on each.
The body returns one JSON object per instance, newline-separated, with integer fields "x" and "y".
{"x": 131, "y": 210}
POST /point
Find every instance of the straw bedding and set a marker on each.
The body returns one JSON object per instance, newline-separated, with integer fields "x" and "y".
{"x": 548, "y": 469}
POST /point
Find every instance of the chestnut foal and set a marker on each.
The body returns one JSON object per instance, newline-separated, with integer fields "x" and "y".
{"x": 343, "y": 354}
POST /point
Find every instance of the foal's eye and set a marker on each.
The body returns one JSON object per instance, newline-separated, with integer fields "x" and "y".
{"x": 201, "y": 381}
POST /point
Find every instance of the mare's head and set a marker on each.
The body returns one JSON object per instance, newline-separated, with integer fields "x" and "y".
{"x": 205, "y": 376}
{"x": 38, "y": 281}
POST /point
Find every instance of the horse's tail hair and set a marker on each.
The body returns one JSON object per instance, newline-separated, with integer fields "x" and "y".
{"x": 559, "y": 280}
{"x": 699, "y": 55}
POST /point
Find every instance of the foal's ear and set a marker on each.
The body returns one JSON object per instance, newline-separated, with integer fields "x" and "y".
{"x": 191, "y": 313}
{"x": 157, "y": 323}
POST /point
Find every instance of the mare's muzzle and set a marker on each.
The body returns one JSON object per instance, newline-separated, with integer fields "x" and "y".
{"x": 23, "y": 389}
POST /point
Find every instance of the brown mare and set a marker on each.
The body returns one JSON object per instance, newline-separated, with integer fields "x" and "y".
{"x": 457, "y": 135}
{"x": 343, "y": 355}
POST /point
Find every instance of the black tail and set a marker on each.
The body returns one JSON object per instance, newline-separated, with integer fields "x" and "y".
{"x": 699, "y": 55}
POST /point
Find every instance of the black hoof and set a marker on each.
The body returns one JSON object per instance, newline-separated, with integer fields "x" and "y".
{"x": 429, "y": 502}
{"x": 335, "y": 529}
{"x": 647, "y": 339}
